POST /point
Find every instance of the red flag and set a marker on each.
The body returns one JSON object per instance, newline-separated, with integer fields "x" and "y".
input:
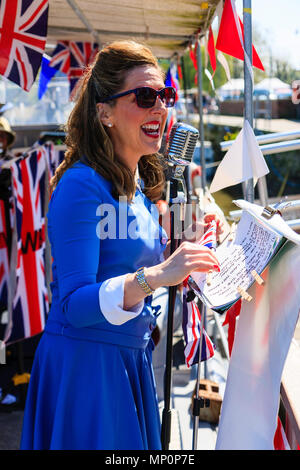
{"x": 193, "y": 57}
{"x": 229, "y": 40}
{"x": 211, "y": 50}
{"x": 179, "y": 71}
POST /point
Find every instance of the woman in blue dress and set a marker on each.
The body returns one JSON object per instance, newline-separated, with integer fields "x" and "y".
{"x": 92, "y": 384}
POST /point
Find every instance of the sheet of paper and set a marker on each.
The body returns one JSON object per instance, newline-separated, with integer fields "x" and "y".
{"x": 276, "y": 222}
{"x": 251, "y": 250}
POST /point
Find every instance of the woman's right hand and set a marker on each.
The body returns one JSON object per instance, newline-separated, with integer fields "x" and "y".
{"x": 188, "y": 257}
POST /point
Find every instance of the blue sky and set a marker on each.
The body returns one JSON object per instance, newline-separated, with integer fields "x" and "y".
{"x": 278, "y": 22}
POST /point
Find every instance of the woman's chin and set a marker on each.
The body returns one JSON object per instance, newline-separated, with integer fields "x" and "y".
{"x": 153, "y": 147}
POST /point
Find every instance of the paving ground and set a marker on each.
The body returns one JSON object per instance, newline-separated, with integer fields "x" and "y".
{"x": 10, "y": 430}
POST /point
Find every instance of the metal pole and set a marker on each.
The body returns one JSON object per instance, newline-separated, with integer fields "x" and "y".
{"x": 184, "y": 87}
{"x": 84, "y": 20}
{"x": 200, "y": 108}
{"x": 196, "y": 398}
{"x": 248, "y": 86}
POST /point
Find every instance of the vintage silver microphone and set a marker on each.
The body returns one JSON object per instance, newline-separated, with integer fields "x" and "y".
{"x": 179, "y": 154}
{"x": 180, "y": 148}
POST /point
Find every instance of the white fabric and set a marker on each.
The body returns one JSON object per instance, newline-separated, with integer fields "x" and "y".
{"x": 243, "y": 161}
{"x": 221, "y": 58}
{"x": 111, "y": 301}
{"x": 264, "y": 333}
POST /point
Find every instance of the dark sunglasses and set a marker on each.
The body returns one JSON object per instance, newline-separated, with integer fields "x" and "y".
{"x": 146, "y": 96}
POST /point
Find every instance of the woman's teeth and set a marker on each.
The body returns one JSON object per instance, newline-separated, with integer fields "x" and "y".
{"x": 151, "y": 129}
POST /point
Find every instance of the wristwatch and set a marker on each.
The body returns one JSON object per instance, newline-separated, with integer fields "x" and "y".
{"x": 140, "y": 276}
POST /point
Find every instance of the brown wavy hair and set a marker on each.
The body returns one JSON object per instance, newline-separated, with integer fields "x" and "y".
{"x": 85, "y": 134}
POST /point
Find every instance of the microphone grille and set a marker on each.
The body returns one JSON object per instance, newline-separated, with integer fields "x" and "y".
{"x": 182, "y": 142}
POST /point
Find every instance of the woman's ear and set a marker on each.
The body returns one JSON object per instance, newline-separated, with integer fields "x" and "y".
{"x": 105, "y": 114}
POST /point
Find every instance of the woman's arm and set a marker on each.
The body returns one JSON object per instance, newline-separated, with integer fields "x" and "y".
{"x": 187, "y": 258}
{"x": 76, "y": 249}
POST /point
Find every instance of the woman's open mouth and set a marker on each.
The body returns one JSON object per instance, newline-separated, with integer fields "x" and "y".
{"x": 151, "y": 129}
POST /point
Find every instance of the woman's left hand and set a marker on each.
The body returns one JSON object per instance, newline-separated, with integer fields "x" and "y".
{"x": 208, "y": 218}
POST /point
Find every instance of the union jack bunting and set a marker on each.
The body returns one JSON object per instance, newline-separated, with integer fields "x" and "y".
{"x": 60, "y": 59}
{"x": 191, "y": 325}
{"x": 172, "y": 78}
{"x": 191, "y": 317}
{"x": 23, "y": 32}
{"x": 30, "y": 301}
{"x": 81, "y": 55}
{"x": 209, "y": 239}
{"x": 54, "y": 157}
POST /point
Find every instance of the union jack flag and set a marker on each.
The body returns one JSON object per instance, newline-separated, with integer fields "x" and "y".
{"x": 30, "y": 302}
{"x": 209, "y": 239}
{"x": 54, "y": 155}
{"x": 191, "y": 317}
{"x": 72, "y": 58}
{"x": 23, "y": 32}
{"x": 191, "y": 325}
{"x": 172, "y": 78}
{"x": 60, "y": 59}
{"x": 81, "y": 55}
{"x": 4, "y": 259}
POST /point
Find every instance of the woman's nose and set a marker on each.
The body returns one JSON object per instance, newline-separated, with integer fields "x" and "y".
{"x": 159, "y": 106}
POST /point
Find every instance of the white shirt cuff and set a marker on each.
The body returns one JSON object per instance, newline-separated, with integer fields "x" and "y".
{"x": 111, "y": 301}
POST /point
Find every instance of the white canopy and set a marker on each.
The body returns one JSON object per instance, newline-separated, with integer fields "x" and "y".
{"x": 235, "y": 84}
{"x": 272, "y": 84}
{"x": 166, "y": 26}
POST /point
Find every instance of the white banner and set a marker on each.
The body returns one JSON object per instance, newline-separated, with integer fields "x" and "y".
{"x": 264, "y": 333}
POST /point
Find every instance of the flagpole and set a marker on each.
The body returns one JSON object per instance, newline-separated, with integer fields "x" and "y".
{"x": 248, "y": 83}
{"x": 198, "y": 404}
{"x": 182, "y": 63}
{"x": 79, "y": 13}
{"x": 201, "y": 136}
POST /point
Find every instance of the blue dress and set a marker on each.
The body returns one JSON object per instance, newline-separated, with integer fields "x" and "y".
{"x": 92, "y": 384}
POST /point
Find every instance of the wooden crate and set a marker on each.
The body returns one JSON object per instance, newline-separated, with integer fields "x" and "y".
{"x": 209, "y": 390}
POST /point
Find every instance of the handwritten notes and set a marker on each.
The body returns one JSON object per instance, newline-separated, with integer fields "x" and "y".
{"x": 251, "y": 249}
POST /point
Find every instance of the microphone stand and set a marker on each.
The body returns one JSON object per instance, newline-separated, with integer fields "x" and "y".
{"x": 176, "y": 197}
{"x": 181, "y": 145}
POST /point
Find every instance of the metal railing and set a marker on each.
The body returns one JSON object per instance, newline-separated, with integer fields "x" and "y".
{"x": 274, "y": 143}
{"x": 294, "y": 224}
{"x": 267, "y": 138}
